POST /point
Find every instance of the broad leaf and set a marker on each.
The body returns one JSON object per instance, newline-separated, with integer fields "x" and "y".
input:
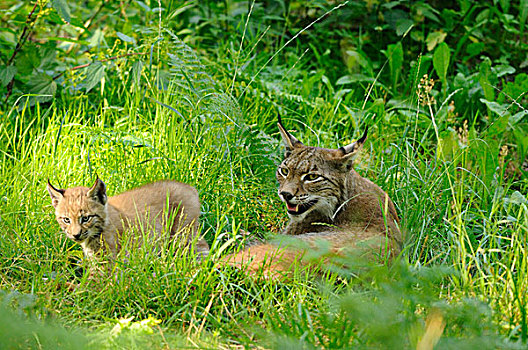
{"x": 395, "y": 55}
{"x": 7, "y": 74}
{"x": 500, "y": 109}
{"x": 516, "y": 198}
{"x": 503, "y": 69}
{"x": 505, "y": 4}
{"x": 62, "y": 8}
{"x": 358, "y": 78}
{"x": 403, "y": 26}
{"x": 97, "y": 38}
{"x": 441, "y": 59}
{"x": 137, "y": 67}
{"x": 48, "y": 59}
{"x": 484, "y": 75}
{"x": 521, "y": 139}
{"x": 434, "y": 39}
{"x": 125, "y": 38}
{"x": 517, "y": 117}
{"x": 27, "y": 60}
{"x": 143, "y": 5}
{"x": 42, "y": 84}
{"x": 94, "y": 75}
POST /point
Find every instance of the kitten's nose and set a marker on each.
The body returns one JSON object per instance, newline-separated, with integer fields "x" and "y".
{"x": 77, "y": 236}
{"x": 286, "y": 195}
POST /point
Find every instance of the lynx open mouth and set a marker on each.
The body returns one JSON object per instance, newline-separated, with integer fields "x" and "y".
{"x": 298, "y": 209}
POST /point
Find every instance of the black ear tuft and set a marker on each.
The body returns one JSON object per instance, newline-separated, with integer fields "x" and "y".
{"x": 289, "y": 141}
{"x": 98, "y": 191}
{"x": 351, "y": 150}
{"x": 55, "y": 194}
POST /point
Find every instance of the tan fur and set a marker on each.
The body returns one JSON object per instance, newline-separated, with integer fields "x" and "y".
{"x": 326, "y": 200}
{"x": 95, "y": 222}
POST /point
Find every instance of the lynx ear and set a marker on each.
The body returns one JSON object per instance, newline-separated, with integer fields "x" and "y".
{"x": 98, "y": 191}
{"x": 289, "y": 141}
{"x": 55, "y": 194}
{"x": 350, "y": 151}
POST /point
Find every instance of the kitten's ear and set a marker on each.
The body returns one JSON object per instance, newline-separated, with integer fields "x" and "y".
{"x": 351, "y": 151}
{"x": 55, "y": 194}
{"x": 98, "y": 191}
{"x": 289, "y": 141}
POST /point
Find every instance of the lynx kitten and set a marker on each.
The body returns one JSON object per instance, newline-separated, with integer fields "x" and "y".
{"x": 326, "y": 199}
{"x": 95, "y": 221}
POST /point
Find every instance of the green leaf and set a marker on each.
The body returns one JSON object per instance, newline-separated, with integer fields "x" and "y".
{"x": 501, "y": 110}
{"x": 484, "y": 75}
{"x": 449, "y": 143}
{"x": 137, "y": 67}
{"x": 48, "y": 58}
{"x": 62, "y": 8}
{"x": 97, "y": 38}
{"x": 441, "y": 59}
{"x": 7, "y": 74}
{"x": 503, "y": 69}
{"x": 516, "y": 198}
{"x": 355, "y": 61}
{"x": 403, "y": 26}
{"x": 394, "y": 54}
{"x": 505, "y": 4}
{"x": 358, "y": 78}
{"x": 144, "y": 6}
{"x": 125, "y": 38}
{"x": 434, "y": 39}
{"x": 27, "y": 60}
{"x": 473, "y": 49}
{"x": 517, "y": 117}
{"x": 498, "y": 127}
{"x": 42, "y": 84}
{"x": 523, "y": 9}
{"x": 94, "y": 75}
{"x": 521, "y": 139}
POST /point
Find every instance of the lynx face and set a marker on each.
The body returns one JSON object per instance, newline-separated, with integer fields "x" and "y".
{"x": 80, "y": 211}
{"x": 312, "y": 179}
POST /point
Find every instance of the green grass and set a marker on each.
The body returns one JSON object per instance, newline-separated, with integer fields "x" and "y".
{"x": 465, "y": 250}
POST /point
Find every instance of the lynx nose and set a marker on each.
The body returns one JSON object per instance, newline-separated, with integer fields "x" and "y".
{"x": 286, "y": 195}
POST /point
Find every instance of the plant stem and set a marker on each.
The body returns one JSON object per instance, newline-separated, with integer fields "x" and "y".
{"x": 23, "y": 38}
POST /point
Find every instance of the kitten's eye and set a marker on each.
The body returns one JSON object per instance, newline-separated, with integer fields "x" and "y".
{"x": 310, "y": 177}
{"x": 66, "y": 220}
{"x": 284, "y": 172}
{"x": 85, "y": 219}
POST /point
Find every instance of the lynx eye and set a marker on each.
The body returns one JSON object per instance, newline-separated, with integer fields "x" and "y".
{"x": 310, "y": 177}
{"x": 284, "y": 172}
{"x": 66, "y": 220}
{"x": 85, "y": 219}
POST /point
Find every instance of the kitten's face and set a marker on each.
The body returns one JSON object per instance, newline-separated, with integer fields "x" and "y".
{"x": 80, "y": 212}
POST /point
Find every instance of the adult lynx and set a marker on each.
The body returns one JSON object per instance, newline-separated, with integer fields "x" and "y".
{"x": 326, "y": 199}
{"x": 94, "y": 221}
